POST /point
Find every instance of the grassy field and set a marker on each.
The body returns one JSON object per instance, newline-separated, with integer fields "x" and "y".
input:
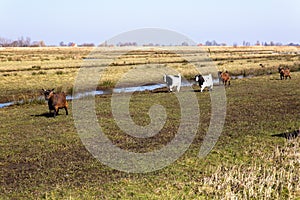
{"x": 25, "y": 71}
{"x": 43, "y": 158}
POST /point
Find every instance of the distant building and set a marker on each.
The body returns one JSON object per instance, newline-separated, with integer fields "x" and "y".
{"x": 72, "y": 44}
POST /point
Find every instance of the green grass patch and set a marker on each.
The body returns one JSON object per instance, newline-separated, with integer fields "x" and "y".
{"x": 36, "y": 67}
{"x": 106, "y": 84}
{"x": 39, "y": 73}
{"x": 43, "y": 157}
{"x": 59, "y": 72}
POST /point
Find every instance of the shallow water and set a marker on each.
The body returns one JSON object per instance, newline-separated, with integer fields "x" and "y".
{"x": 103, "y": 92}
{"x": 2, "y": 105}
{"x": 241, "y": 77}
{"x": 118, "y": 90}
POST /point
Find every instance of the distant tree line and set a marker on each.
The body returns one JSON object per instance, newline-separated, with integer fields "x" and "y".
{"x": 120, "y": 44}
{"x": 26, "y": 42}
{"x": 271, "y": 43}
{"x": 73, "y": 44}
{"x": 21, "y": 42}
{"x": 245, "y": 43}
{"x": 214, "y": 43}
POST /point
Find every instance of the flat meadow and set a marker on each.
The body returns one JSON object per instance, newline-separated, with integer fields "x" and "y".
{"x": 43, "y": 157}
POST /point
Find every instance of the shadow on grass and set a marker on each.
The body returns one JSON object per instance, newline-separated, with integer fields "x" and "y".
{"x": 278, "y": 79}
{"x": 161, "y": 90}
{"x": 199, "y": 90}
{"x": 174, "y": 91}
{"x": 287, "y": 135}
{"x": 46, "y": 114}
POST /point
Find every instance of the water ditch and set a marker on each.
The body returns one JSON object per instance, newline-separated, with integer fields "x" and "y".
{"x": 120, "y": 90}
{"x": 100, "y": 92}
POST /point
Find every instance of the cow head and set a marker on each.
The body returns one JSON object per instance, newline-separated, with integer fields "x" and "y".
{"x": 48, "y": 93}
{"x": 199, "y": 78}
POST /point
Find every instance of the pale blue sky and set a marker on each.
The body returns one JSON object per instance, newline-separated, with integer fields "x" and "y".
{"x": 98, "y": 20}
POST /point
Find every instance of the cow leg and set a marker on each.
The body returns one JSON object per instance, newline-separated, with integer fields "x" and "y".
{"x": 66, "y": 109}
{"x": 55, "y": 111}
{"x": 178, "y": 88}
{"x": 200, "y": 87}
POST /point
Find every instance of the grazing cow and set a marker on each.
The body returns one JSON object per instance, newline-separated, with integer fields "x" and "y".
{"x": 173, "y": 81}
{"x": 204, "y": 81}
{"x": 56, "y": 101}
{"x": 225, "y": 77}
{"x": 284, "y": 73}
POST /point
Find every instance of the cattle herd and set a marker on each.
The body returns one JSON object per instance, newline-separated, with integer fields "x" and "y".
{"x": 58, "y": 101}
{"x": 204, "y": 81}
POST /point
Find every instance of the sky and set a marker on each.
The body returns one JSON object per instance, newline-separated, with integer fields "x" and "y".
{"x": 95, "y": 21}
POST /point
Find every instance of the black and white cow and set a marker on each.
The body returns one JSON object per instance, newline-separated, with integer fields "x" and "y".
{"x": 204, "y": 81}
{"x": 172, "y": 81}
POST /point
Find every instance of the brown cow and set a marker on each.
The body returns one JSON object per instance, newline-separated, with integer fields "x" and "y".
{"x": 284, "y": 73}
{"x": 225, "y": 77}
{"x": 56, "y": 101}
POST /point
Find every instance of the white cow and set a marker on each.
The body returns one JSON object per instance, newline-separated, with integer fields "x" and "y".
{"x": 173, "y": 81}
{"x": 204, "y": 81}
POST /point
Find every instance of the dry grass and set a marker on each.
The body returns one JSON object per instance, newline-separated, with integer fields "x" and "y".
{"x": 275, "y": 178}
{"x": 30, "y": 69}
